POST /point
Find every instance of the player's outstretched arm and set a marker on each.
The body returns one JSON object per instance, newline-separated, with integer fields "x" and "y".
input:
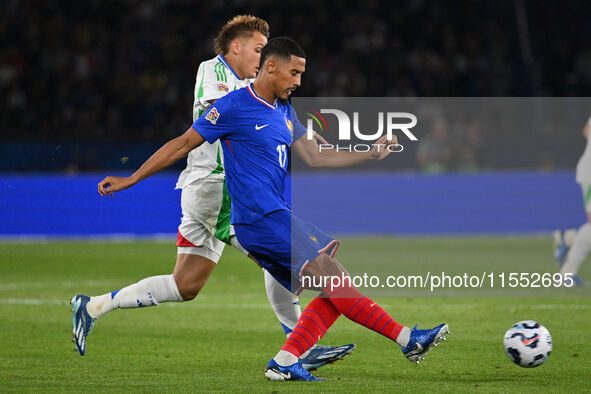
{"x": 309, "y": 151}
{"x": 169, "y": 154}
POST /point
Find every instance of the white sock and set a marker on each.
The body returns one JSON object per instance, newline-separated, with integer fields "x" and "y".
{"x": 99, "y": 305}
{"x": 147, "y": 292}
{"x": 285, "y": 304}
{"x": 578, "y": 251}
{"x": 285, "y": 358}
{"x": 403, "y": 337}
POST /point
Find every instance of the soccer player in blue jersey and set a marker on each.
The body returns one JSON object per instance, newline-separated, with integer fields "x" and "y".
{"x": 205, "y": 224}
{"x": 257, "y": 127}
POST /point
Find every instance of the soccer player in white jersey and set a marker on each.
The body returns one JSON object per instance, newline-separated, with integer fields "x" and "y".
{"x": 205, "y": 224}
{"x": 576, "y": 245}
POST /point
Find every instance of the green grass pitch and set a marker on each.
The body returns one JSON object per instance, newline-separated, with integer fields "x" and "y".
{"x": 222, "y": 340}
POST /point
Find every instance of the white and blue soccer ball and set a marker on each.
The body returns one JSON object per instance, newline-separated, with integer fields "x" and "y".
{"x": 528, "y": 343}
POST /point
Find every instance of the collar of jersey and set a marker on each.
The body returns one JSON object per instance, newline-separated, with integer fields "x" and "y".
{"x": 223, "y": 60}
{"x": 262, "y": 100}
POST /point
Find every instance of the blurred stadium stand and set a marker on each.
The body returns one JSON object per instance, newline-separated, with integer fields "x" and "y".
{"x": 99, "y": 85}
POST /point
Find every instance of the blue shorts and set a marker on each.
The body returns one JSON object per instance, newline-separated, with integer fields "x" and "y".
{"x": 284, "y": 245}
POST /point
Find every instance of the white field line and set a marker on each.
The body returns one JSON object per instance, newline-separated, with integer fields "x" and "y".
{"x": 203, "y": 305}
{"x": 65, "y": 284}
{"x": 208, "y": 304}
{"x": 32, "y": 301}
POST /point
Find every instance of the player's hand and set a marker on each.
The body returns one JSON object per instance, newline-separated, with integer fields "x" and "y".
{"x": 112, "y": 184}
{"x": 320, "y": 139}
{"x": 380, "y": 147}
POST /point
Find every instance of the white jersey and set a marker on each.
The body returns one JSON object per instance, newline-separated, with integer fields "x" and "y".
{"x": 215, "y": 79}
{"x": 584, "y": 165}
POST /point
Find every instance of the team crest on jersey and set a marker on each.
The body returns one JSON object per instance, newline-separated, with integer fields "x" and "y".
{"x": 223, "y": 88}
{"x": 213, "y": 115}
{"x": 289, "y": 124}
{"x": 313, "y": 238}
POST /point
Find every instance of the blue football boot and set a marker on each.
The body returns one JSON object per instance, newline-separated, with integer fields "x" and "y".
{"x": 292, "y": 372}
{"x": 579, "y": 282}
{"x": 320, "y": 355}
{"x": 82, "y": 322}
{"x": 421, "y": 341}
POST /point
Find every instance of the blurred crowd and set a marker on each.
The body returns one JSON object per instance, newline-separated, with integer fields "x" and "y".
{"x": 124, "y": 71}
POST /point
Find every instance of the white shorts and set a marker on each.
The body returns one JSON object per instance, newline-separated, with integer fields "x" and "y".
{"x": 205, "y": 225}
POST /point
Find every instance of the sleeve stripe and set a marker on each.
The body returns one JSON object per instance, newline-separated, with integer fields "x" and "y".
{"x": 220, "y": 72}
{"x": 215, "y": 68}
{"x": 223, "y": 68}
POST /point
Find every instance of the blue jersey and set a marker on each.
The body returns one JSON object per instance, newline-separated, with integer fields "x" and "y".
{"x": 256, "y": 137}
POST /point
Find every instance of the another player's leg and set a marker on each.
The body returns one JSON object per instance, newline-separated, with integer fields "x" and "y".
{"x": 190, "y": 275}
{"x": 581, "y": 245}
{"x": 193, "y": 267}
{"x": 287, "y": 308}
{"x": 578, "y": 253}
{"x": 563, "y": 240}
{"x": 197, "y": 254}
{"x": 147, "y": 292}
{"x": 285, "y": 304}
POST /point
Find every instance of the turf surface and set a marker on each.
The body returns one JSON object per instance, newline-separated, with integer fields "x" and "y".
{"x": 223, "y": 340}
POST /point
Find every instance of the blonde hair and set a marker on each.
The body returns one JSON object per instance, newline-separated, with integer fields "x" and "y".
{"x": 240, "y": 25}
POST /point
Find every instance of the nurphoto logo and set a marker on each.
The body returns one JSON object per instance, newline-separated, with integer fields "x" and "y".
{"x": 401, "y": 121}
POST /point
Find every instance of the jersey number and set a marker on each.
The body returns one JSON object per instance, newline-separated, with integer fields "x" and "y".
{"x": 282, "y": 150}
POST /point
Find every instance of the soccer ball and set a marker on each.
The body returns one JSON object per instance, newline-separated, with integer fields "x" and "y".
{"x": 528, "y": 343}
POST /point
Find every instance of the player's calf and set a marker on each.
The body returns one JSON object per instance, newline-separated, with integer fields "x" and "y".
{"x": 191, "y": 272}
